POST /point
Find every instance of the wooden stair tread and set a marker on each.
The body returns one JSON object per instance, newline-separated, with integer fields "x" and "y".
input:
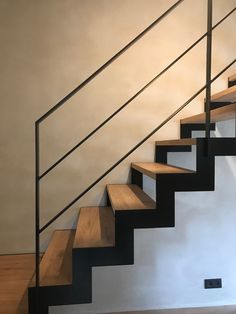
{"x": 232, "y": 77}
{"x": 219, "y": 114}
{"x": 96, "y": 228}
{"x": 151, "y": 169}
{"x": 227, "y": 95}
{"x": 129, "y": 197}
{"x": 178, "y": 142}
{"x": 56, "y": 264}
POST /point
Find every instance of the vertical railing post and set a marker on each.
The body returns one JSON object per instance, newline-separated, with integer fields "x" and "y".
{"x": 37, "y": 217}
{"x": 234, "y": 118}
{"x": 208, "y": 68}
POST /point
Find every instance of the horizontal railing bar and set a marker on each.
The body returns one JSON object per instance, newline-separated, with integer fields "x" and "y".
{"x": 132, "y": 98}
{"x": 133, "y": 149}
{"x": 111, "y": 60}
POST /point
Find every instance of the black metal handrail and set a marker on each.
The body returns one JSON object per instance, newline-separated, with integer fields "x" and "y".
{"x": 206, "y": 87}
{"x": 63, "y": 157}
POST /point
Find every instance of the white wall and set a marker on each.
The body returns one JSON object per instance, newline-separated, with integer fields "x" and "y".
{"x": 171, "y": 264}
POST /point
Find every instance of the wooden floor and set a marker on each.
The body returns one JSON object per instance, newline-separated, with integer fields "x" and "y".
{"x": 205, "y": 310}
{"x": 16, "y": 271}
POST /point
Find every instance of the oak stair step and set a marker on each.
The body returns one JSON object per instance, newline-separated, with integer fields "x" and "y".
{"x": 56, "y": 264}
{"x": 178, "y": 142}
{"x": 95, "y": 228}
{"x": 219, "y": 114}
{"x": 129, "y": 197}
{"x": 152, "y": 169}
{"x": 227, "y": 95}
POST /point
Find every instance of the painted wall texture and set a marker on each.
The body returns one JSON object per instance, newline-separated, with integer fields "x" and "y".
{"x": 48, "y": 48}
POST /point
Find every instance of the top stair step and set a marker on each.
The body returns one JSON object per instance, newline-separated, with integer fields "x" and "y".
{"x": 219, "y": 114}
{"x": 152, "y": 169}
{"x": 227, "y": 95}
{"x": 178, "y": 142}
{"x": 96, "y": 228}
{"x": 129, "y": 197}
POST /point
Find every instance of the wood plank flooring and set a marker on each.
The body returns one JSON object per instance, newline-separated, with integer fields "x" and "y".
{"x": 16, "y": 271}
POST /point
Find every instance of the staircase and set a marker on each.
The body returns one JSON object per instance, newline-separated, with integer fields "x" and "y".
{"x": 105, "y": 235}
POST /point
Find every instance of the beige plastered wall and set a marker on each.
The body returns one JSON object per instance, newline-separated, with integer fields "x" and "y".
{"x": 47, "y": 48}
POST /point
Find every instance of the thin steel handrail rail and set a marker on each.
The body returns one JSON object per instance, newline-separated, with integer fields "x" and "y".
{"x": 69, "y": 152}
{"x": 135, "y": 147}
{"x": 111, "y": 60}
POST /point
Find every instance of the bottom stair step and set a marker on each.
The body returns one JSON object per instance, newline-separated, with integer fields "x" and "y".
{"x": 96, "y": 228}
{"x": 56, "y": 264}
{"x": 129, "y": 197}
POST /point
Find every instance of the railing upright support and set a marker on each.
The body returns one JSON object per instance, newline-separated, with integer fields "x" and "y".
{"x": 37, "y": 217}
{"x": 208, "y": 68}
